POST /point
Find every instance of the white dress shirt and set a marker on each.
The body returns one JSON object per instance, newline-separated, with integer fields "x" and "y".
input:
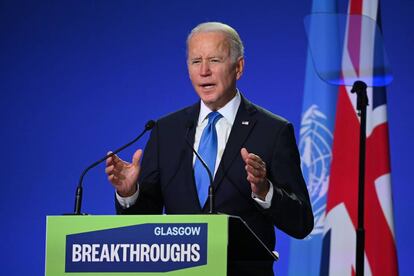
{"x": 223, "y": 128}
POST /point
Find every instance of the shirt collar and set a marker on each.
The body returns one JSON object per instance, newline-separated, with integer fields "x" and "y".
{"x": 228, "y": 111}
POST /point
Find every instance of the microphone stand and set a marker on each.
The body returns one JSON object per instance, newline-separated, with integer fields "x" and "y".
{"x": 210, "y": 175}
{"x": 360, "y": 88}
{"x": 79, "y": 190}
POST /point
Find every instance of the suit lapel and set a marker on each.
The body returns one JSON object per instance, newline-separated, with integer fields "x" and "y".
{"x": 192, "y": 114}
{"x": 191, "y": 121}
{"x": 241, "y": 129}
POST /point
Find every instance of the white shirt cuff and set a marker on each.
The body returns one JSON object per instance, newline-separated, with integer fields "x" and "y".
{"x": 127, "y": 202}
{"x": 265, "y": 204}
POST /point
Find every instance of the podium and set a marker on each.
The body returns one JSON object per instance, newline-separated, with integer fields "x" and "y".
{"x": 151, "y": 245}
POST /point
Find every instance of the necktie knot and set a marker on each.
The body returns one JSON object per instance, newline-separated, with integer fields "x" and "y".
{"x": 213, "y": 117}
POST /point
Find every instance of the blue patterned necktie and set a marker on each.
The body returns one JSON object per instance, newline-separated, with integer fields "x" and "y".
{"x": 208, "y": 151}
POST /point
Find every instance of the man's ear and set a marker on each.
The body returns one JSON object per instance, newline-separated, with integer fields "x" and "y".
{"x": 239, "y": 67}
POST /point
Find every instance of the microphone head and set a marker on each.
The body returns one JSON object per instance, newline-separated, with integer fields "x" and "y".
{"x": 149, "y": 125}
{"x": 359, "y": 86}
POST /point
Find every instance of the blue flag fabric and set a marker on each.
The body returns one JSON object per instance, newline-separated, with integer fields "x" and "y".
{"x": 316, "y": 137}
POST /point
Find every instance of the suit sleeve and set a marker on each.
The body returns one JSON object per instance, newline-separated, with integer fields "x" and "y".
{"x": 290, "y": 210}
{"x": 150, "y": 197}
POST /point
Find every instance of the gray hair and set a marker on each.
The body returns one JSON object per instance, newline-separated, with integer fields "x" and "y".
{"x": 236, "y": 45}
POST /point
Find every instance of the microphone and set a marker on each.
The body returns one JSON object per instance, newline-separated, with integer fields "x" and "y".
{"x": 190, "y": 125}
{"x": 78, "y": 197}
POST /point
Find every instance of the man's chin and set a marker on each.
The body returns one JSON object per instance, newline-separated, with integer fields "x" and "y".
{"x": 209, "y": 98}
{"x": 214, "y": 103}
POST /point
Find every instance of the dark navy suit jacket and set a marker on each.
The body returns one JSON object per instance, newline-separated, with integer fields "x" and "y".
{"x": 167, "y": 178}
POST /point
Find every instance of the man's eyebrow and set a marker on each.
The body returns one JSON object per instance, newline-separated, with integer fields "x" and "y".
{"x": 207, "y": 58}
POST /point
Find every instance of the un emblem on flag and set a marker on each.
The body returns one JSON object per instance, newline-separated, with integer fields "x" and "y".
{"x": 316, "y": 155}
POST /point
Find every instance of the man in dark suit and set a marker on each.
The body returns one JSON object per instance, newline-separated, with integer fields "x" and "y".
{"x": 251, "y": 152}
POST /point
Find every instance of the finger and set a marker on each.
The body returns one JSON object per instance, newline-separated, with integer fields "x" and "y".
{"x": 250, "y": 169}
{"x": 119, "y": 166}
{"x": 136, "y": 157}
{"x": 251, "y": 157}
{"x": 109, "y": 160}
{"x": 117, "y": 162}
{"x": 116, "y": 159}
{"x": 255, "y": 158}
{"x": 255, "y": 164}
{"x": 256, "y": 172}
{"x": 244, "y": 153}
{"x": 113, "y": 170}
{"x": 109, "y": 169}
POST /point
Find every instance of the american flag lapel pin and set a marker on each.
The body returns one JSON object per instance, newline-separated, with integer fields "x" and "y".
{"x": 245, "y": 123}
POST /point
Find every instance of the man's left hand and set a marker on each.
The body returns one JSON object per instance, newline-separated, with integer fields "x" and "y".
{"x": 256, "y": 173}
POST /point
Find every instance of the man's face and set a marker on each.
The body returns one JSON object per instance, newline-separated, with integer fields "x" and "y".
{"x": 211, "y": 69}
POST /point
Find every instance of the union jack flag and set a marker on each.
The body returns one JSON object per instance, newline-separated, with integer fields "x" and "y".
{"x": 339, "y": 245}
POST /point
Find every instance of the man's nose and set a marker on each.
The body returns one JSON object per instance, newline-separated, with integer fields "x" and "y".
{"x": 205, "y": 69}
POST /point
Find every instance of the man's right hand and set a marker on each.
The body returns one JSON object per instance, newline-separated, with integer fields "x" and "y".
{"x": 123, "y": 175}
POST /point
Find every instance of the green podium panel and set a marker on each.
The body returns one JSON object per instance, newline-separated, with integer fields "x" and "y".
{"x": 137, "y": 245}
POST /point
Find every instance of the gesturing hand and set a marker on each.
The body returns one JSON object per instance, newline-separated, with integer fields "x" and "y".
{"x": 256, "y": 173}
{"x": 123, "y": 175}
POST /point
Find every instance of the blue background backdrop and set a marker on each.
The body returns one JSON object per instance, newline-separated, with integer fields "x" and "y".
{"x": 79, "y": 78}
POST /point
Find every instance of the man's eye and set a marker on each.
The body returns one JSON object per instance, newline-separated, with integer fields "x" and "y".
{"x": 215, "y": 60}
{"x": 195, "y": 61}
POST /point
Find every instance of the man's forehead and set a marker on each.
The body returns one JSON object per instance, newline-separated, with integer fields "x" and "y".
{"x": 208, "y": 42}
{"x": 208, "y": 36}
